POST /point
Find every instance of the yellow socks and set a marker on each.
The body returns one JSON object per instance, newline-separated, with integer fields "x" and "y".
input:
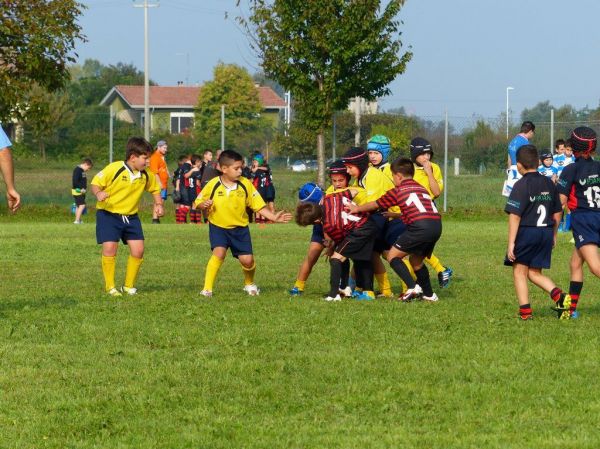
{"x": 249, "y": 274}
{"x": 435, "y": 263}
{"x": 383, "y": 281}
{"x": 133, "y": 268}
{"x": 108, "y": 270}
{"x": 299, "y": 284}
{"x": 212, "y": 269}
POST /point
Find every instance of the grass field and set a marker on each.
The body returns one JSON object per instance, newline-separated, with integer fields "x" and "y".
{"x": 169, "y": 369}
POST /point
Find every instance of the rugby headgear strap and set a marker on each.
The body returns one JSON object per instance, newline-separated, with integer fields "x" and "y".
{"x": 584, "y": 140}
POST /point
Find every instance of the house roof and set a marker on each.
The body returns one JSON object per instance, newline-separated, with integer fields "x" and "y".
{"x": 179, "y": 96}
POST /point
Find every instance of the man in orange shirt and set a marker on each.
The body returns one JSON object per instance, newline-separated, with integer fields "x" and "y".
{"x": 158, "y": 165}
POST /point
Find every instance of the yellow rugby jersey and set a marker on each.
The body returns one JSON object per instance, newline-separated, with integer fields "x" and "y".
{"x": 376, "y": 183}
{"x": 421, "y": 177}
{"x": 359, "y": 198}
{"x": 229, "y": 204}
{"x": 124, "y": 187}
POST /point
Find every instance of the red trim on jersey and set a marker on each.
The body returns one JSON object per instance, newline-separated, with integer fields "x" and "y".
{"x": 572, "y": 199}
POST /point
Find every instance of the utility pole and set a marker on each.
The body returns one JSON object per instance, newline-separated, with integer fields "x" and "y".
{"x": 147, "y": 118}
{"x": 357, "y": 105}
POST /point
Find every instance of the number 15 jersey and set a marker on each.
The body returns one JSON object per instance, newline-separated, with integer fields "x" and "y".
{"x": 535, "y": 199}
{"x": 580, "y": 182}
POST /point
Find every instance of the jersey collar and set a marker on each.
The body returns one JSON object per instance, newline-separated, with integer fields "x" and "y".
{"x": 132, "y": 176}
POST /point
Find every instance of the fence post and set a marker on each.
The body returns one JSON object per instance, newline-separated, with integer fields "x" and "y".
{"x": 551, "y": 129}
{"x": 446, "y": 162}
{"x": 223, "y": 127}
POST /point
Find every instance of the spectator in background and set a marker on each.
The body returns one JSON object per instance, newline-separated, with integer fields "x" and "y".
{"x": 6, "y": 167}
{"x": 158, "y": 165}
{"x": 262, "y": 179}
{"x": 79, "y": 187}
{"x": 523, "y": 138}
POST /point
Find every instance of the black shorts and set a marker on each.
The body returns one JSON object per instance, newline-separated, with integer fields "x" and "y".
{"x": 79, "y": 200}
{"x": 420, "y": 237}
{"x": 533, "y": 247}
{"x": 358, "y": 245}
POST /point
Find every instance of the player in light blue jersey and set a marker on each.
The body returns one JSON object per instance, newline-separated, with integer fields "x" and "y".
{"x": 523, "y": 138}
{"x": 564, "y": 158}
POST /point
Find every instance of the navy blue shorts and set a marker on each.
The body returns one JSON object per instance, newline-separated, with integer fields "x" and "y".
{"x": 586, "y": 228}
{"x": 236, "y": 239}
{"x": 317, "y": 234}
{"x": 114, "y": 227}
{"x": 391, "y": 231}
{"x": 533, "y": 247}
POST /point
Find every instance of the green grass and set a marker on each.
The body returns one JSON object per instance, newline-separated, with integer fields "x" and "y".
{"x": 169, "y": 369}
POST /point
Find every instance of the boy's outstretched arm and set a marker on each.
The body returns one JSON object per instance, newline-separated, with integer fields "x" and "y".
{"x": 278, "y": 217}
{"x": 513, "y": 227}
{"x": 354, "y": 208}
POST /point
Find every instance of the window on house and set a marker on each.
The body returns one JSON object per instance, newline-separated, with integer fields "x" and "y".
{"x": 181, "y": 122}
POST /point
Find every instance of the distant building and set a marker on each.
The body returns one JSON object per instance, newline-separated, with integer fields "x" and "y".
{"x": 172, "y": 107}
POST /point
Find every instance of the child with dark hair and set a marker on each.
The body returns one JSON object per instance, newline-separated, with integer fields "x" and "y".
{"x": 226, "y": 198}
{"x": 118, "y": 187}
{"x": 579, "y": 189}
{"x": 79, "y": 187}
{"x": 353, "y": 236}
{"x": 423, "y": 229}
{"x": 546, "y": 167}
{"x": 262, "y": 178}
{"x": 534, "y": 212}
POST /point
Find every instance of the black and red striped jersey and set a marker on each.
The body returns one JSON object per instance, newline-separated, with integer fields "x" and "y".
{"x": 580, "y": 182}
{"x": 337, "y": 222}
{"x": 414, "y": 201}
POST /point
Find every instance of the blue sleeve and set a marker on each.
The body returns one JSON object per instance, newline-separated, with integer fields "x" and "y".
{"x": 4, "y": 142}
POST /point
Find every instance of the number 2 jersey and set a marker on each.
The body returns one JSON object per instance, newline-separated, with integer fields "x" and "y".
{"x": 580, "y": 182}
{"x": 535, "y": 199}
{"x": 414, "y": 202}
{"x": 338, "y": 223}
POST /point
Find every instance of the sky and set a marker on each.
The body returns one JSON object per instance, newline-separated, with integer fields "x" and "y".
{"x": 466, "y": 52}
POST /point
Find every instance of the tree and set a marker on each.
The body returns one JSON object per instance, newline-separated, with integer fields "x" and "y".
{"x": 326, "y": 52}
{"x": 233, "y": 87}
{"x": 37, "y": 38}
{"x": 46, "y": 113}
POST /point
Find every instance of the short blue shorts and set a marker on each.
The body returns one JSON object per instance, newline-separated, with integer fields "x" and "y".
{"x": 391, "y": 231}
{"x": 236, "y": 239}
{"x": 114, "y": 227}
{"x": 586, "y": 228}
{"x": 533, "y": 246}
{"x": 317, "y": 234}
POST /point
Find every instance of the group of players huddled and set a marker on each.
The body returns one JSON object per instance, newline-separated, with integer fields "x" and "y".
{"x": 375, "y": 208}
{"x": 569, "y": 181}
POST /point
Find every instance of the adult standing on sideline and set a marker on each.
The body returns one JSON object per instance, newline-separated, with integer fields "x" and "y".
{"x": 523, "y": 138}
{"x": 6, "y": 167}
{"x": 158, "y": 165}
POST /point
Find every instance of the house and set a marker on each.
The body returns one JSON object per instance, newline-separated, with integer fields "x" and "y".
{"x": 172, "y": 107}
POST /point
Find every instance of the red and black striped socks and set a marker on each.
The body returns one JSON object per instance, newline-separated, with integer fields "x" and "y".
{"x": 574, "y": 291}
{"x": 525, "y": 311}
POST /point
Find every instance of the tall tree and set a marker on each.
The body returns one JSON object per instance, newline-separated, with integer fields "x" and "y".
{"x": 37, "y": 38}
{"x": 46, "y": 114}
{"x": 233, "y": 87}
{"x": 326, "y": 52}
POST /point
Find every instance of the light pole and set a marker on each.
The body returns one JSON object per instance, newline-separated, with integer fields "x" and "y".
{"x": 507, "y": 89}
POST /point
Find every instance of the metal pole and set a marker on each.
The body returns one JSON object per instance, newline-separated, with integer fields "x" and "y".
{"x": 111, "y": 135}
{"x": 552, "y": 130}
{"x": 446, "y": 162}
{"x": 147, "y": 118}
{"x": 222, "y": 127}
{"x": 333, "y": 142}
{"x": 507, "y": 89}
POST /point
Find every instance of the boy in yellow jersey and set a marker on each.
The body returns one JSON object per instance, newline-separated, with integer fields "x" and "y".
{"x": 226, "y": 198}
{"x": 375, "y": 184}
{"x": 118, "y": 187}
{"x": 429, "y": 175}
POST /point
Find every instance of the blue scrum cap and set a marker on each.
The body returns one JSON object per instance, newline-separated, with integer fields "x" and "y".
{"x": 310, "y": 192}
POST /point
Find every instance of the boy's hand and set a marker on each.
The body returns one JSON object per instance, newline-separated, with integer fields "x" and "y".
{"x": 159, "y": 210}
{"x": 388, "y": 214}
{"x": 282, "y": 217}
{"x": 205, "y": 204}
{"x": 427, "y": 167}
{"x": 101, "y": 195}
{"x": 510, "y": 252}
{"x": 352, "y": 208}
